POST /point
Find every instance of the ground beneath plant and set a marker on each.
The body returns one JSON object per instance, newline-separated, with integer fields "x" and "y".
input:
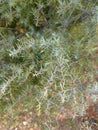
{"x": 29, "y": 120}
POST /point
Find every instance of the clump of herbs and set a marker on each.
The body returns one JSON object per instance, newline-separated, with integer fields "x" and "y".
{"x": 47, "y": 52}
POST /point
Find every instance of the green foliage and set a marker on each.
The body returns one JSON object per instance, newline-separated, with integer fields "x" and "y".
{"x": 46, "y": 52}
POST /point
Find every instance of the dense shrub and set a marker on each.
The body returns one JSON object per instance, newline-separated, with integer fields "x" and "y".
{"x": 47, "y": 50}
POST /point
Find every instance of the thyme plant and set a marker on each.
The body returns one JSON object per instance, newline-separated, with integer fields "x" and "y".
{"x": 47, "y": 52}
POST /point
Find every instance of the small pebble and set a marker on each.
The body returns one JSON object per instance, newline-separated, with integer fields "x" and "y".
{"x": 25, "y": 123}
{"x": 31, "y": 129}
{"x": 16, "y": 128}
